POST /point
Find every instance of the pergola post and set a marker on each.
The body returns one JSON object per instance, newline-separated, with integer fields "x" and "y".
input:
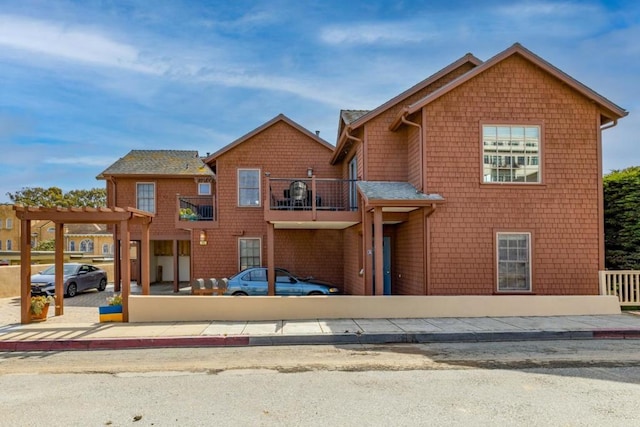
{"x": 125, "y": 242}
{"x": 25, "y": 271}
{"x": 59, "y": 268}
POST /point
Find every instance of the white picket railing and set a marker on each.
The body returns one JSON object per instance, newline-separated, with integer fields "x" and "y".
{"x": 625, "y": 284}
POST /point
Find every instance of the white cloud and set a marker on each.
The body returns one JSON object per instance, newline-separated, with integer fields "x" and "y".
{"x": 71, "y": 43}
{"x": 79, "y": 160}
{"x": 545, "y": 8}
{"x": 372, "y": 33}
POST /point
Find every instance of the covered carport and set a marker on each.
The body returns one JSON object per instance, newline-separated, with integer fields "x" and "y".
{"x": 123, "y": 218}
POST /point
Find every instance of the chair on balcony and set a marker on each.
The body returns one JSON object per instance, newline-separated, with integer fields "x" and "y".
{"x": 298, "y": 193}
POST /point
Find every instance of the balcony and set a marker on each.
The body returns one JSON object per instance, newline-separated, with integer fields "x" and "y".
{"x": 311, "y": 203}
{"x": 196, "y": 212}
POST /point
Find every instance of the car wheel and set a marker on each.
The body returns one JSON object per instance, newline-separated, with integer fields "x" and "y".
{"x": 72, "y": 290}
{"x": 315, "y": 293}
{"x": 240, "y": 294}
{"x": 103, "y": 285}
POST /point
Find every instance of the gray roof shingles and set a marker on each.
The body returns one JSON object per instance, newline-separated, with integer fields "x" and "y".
{"x": 390, "y": 190}
{"x": 159, "y": 162}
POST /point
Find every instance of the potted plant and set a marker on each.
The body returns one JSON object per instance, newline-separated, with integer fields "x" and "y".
{"x": 188, "y": 214}
{"x": 40, "y": 307}
{"x": 113, "y": 311}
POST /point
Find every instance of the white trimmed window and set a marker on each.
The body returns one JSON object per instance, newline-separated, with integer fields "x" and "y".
{"x": 248, "y": 187}
{"x": 204, "y": 188}
{"x": 511, "y": 153}
{"x": 86, "y": 245}
{"x": 9, "y": 245}
{"x": 249, "y": 253}
{"x": 9, "y": 224}
{"x": 146, "y": 196}
{"x": 72, "y": 245}
{"x": 105, "y": 248}
{"x": 514, "y": 262}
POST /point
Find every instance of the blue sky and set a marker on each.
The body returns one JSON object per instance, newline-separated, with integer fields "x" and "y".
{"x": 84, "y": 82}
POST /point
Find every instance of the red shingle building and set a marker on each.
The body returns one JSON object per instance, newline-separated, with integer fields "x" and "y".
{"x": 483, "y": 179}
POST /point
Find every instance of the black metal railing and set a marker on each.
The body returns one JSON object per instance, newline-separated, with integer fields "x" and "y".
{"x": 307, "y": 193}
{"x": 196, "y": 208}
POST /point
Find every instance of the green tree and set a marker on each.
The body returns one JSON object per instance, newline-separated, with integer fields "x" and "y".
{"x": 54, "y": 197}
{"x": 46, "y": 245}
{"x": 622, "y": 219}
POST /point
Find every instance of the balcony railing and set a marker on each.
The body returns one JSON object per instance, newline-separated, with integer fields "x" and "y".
{"x": 308, "y": 194}
{"x": 625, "y": 284}
{"x": 196, "y": 208}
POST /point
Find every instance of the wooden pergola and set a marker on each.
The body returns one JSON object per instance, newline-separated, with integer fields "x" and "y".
{"x": 123, "y": 218}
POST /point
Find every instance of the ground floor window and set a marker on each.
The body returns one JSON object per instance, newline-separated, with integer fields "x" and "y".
{"x": 514, "y": 262}
{"x": 249, "y": 253}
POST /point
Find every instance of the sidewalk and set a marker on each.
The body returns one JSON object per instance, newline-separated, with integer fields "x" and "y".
{"x": 78, "y": 330}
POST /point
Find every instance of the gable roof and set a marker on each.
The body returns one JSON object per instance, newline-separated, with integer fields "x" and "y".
{"x": 159, "y": 163}
{"x": 368, "y": 115}
{"x": 259, "y": 129}
{"x": 609, "y": 111}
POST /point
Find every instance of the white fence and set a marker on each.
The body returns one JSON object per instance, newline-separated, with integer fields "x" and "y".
{"x": 625, "y": 284}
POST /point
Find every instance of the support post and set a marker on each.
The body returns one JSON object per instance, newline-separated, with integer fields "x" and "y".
{"x": 126, "y": 270}
{"x": 144, "y": 260}
{"x": 25, "y": 271}
{"x": 368, "y": 252}
{"x": 271, "y": 268}
{"x": 176, "y": 266}
{"x": 377, "y": 245}
{"x": 59, "y": 266}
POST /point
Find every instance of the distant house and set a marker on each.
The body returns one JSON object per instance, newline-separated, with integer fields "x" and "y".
{"x": 9, "y": 231}
{"x": 483, "y": 179}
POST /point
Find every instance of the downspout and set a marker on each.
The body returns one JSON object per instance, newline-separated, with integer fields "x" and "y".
{"x": 404, "y": 120}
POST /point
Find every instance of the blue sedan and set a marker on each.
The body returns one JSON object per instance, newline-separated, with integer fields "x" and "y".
{"x": 253, "y": 281}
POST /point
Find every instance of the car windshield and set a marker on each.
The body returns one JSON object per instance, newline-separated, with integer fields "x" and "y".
{"x": 68, "y": 269}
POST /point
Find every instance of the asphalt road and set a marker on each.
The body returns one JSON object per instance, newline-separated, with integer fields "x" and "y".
{"x": 566, "y": 383}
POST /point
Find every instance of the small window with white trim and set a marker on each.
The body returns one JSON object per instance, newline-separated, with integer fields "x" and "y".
{"x": 249, "y": 187}
{"x": 204, "y": 188}
{"x": 249, "y": 253}
{"x": 514, "y": 262}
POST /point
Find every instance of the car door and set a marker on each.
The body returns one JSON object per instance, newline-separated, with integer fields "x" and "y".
{"x": 286, "y": 284}
{"x": 255, "y": 282}
{"x": 83, "y": 278}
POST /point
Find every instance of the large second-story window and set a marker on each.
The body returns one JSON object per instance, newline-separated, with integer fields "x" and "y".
{"x": 146, "y": 196}
{"x": 511, "y": 153}
{"x": 248, "y": 187}
{"x": 9, "y": 245}
{"x": 9, "y": 224}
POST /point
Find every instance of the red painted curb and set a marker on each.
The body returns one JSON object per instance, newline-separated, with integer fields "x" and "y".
{"x": 632, "y": 334}
{"x": 122, "y": 343}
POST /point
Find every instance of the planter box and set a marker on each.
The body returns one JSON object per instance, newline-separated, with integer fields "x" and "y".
{"x": 110, "y": 313}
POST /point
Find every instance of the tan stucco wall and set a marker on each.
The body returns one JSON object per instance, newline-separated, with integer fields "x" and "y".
{"x": 10, "y": 277}
{"x": 200, "y": 308}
